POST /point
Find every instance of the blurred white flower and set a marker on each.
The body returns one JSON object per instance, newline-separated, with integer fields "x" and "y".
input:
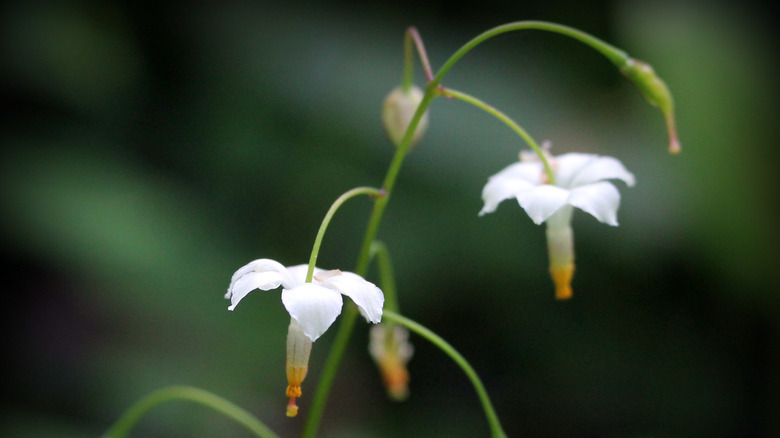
{"x": 580, "y": 181}
{"x": 312, "y": 307}
{"x": 390, "y": 348}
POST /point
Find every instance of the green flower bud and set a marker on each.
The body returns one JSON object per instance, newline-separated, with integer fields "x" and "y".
{"x": 398, "y": 111}
{"x": 655, "y": 92}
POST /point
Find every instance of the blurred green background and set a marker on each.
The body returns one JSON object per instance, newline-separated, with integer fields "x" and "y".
{"x": 149, "y": 149}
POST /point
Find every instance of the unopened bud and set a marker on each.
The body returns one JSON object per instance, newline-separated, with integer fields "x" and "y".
{"x": 655, "y": 92}
{"x": 398, "y": 111}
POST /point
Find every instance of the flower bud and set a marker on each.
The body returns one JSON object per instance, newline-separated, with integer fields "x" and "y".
{"x": 398, "y": 111}
{"x": 655, "y": 92}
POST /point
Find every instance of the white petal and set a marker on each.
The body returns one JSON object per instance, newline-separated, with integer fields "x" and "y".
{"x": 298, "y": 274}
{"x": 523, "y": 170}
{"x": 265, "y": 274}
{"x": 541, "y": 202}
{"x": 600, "y": 200}
{"x": 366, "y": 295}
{"x": 567, "y": 166}
{"x": 500, "y": 188}
{"x": 314, "y": 307}
{"x": 601, "y": 169}
{"x": 250, "y": 282}
{"x": 259, "y": 265}
{"x": 508, "y": 182}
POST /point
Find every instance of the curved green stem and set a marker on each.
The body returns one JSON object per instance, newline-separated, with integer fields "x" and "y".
{"x": 509, "y": 122}
{"x": 124, "y": 425}
{"x": 326, "y": 220}
{"x": 617, "y": 56}
{"x": 490, "y": 413}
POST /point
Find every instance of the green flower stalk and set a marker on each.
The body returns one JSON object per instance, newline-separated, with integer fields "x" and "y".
{"x": 133, "y": 415}
{"x": 655, "y": 92}
{"x": 496, "y": 431}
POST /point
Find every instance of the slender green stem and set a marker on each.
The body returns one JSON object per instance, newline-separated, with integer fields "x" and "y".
{"x": 617, "y": 56}
{"x": 509, "y": 122}
{"x": 389, "y": 182}
{"x": 328, "y": 216}
{"x": 490, "y": 413}
{"x": 387, "y": 284}
{"x": 386, "y": 275}
{"x": 350, "y": 313}
{"x": 124, "y": 425}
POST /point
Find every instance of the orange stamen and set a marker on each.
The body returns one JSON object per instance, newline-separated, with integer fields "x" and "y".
{"x": 295, "y": 376}
{"x": 396, "y": 378}
{"x": 562, "y": 276}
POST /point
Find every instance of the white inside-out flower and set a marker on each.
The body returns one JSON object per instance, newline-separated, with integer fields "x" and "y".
{"x": 390, "y": 348}
{"x": 581, "y": 180}
{"x": 313, "y": 307}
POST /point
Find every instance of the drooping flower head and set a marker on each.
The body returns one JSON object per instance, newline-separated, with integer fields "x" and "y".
{"x": 390, "y": 348}
{"x": 313, "y": 307}
{"x": 581, "y": 180}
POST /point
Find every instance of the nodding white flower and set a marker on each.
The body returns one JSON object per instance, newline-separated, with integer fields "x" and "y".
{"x": 312, "y": 307}
{"x": 580, "y": 181}
{"x": 390, "y": 348}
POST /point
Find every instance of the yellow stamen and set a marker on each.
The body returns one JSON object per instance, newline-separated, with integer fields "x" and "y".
{"x": 295, "y": 376}
{"x": 562, "y": 276}
{"x": 395, "y": 377}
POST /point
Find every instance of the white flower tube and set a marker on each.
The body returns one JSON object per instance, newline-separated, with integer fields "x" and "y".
{"x": 298, "y": 352}
{"x": 560, "y": 248}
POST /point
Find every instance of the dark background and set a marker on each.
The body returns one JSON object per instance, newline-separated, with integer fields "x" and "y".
{"x": 149, "y": 149}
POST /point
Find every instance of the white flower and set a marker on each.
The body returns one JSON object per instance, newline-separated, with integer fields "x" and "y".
{"x": 390, "y": 348}
{"x": 580, "y": 181}
{"x": 312, "y": 307}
